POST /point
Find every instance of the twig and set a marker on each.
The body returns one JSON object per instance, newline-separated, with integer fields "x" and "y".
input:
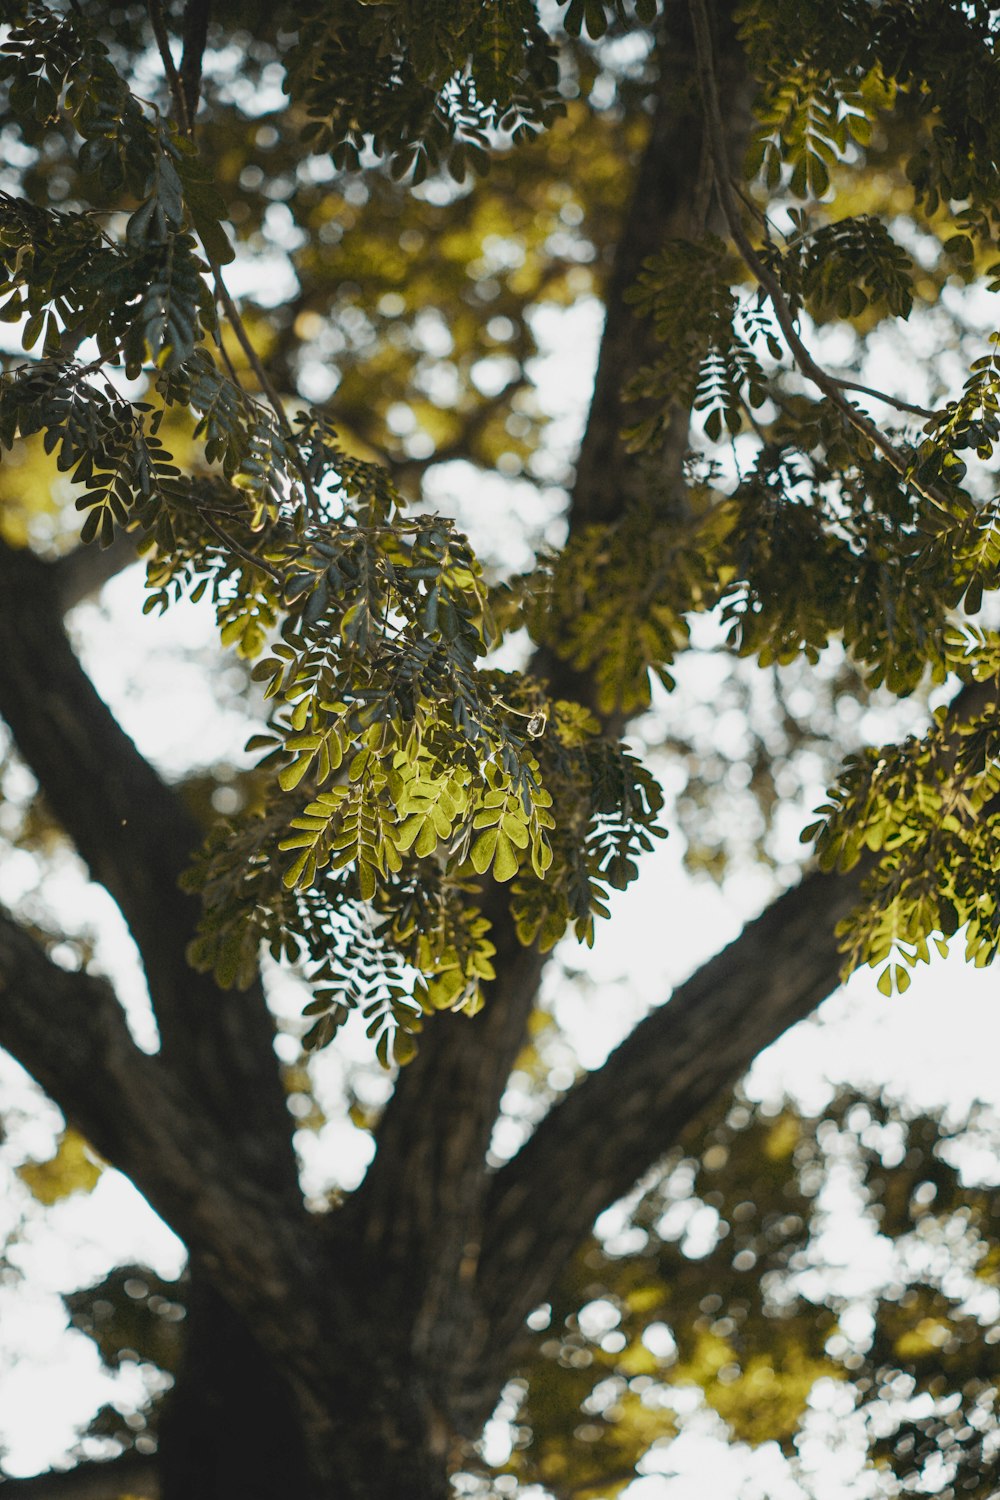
{"x": 250, "y": 557}
{"x": 173, "y": 77}
{"x": 230, "y": 367}
{"x": 703, "y": 192}
{"x": 830, "y": 387}
{"x": 264, "y": 380}
{"x": 754, "y": 208}
{"x": 868, "y": 390}
{"x": 196, "y": 14}
{"x": 245, "y": 343}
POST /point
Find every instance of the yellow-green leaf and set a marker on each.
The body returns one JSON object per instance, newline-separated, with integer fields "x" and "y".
{"x": 73, "y": 1169}
{"x": 505, "y": 862}
{"x": 483, "y": 850}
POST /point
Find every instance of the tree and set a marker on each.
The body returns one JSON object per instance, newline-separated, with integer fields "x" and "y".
{"x": 424, "y": 828}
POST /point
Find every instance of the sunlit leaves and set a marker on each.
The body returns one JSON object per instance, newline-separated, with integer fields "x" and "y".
{"x": 402, "y": 770}
{"x": 74, "y": 1168}
{"x": 924, "y": 815}
{"x": 806, "y": 124}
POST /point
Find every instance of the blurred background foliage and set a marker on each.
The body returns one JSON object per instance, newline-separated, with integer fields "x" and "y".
{"x": 817, "y": 1285}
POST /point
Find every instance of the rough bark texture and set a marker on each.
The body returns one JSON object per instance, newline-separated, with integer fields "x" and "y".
{"x": 347, "y": 1357}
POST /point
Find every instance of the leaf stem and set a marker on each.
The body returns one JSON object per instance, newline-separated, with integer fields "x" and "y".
{"x": 173, "y": 77}
{"x": 250, "y": 557}
{"x": 256, "y": 364}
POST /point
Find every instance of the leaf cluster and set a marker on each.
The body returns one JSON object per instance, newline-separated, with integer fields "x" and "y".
{"x": 423, "y": 83}
{"x": 404, "y": 771}
{"x": 707, "y": 361}
{"x": 924, "y": 814}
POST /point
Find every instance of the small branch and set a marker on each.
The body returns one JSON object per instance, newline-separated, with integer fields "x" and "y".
{"x": 88, "y": 568}
{"x": 173, "y": 78}
{"x": 830, "y": 387}
{"x": 230, "y": 367}
{"x": 702, "y": 203}
{"x": 196, "y": 16}
{"x": 231, "y": 546}
{"x": 263, "y": 379}
{"x": 131, "y": 1474}
{"x": 868, "y": 390}
{"x": 136, "y": 836}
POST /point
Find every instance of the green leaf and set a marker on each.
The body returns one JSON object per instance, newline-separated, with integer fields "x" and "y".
{"x": 505, "y": 861}
{"x": 483, "y": 850}
{"x": 290, "y": 776}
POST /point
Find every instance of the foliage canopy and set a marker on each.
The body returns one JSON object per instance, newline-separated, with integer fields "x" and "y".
{"x": 404, "y": 768}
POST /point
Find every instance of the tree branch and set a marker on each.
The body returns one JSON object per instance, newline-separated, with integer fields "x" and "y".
{"x": 869, "y": 390}
{"x": 196, "y": 18}
{"x": 592, "y": 1147}
{"x": 272, "y": 1265}
{"x": 137, "y": 838}
{"x": 87, "y": 569}
{"x": 68, "y": 1031}
{"x": 133, "y": 1474}
{"x": 616, "y": 1123}
{"x": 666, "y": 204}
{"x": 42, "y": 1002}
{"x": 173, "y": 78}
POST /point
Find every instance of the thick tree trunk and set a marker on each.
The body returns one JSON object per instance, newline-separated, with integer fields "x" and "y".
{"x": 229, "y": 1427}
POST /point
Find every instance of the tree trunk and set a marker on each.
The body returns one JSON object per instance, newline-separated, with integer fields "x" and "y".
{"x": 229, "y": 1427}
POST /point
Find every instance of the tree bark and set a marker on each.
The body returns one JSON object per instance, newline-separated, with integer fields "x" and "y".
{"x": 229, "y": 1426}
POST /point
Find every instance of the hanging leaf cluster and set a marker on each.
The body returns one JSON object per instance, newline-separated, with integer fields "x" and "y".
{"x": 426, "y": 84}
{"x": 706, "y": 360}
{"x": 403, "y": 772}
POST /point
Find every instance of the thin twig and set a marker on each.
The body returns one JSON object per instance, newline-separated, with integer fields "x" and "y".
{"x": 250, "y": 557}
{"x": 230, "y": 367}
{"x": 173, "y": 77}
{"x": 233, "y": 314}
{"x": 754, "y": 208}
{"x": 245, "y": 343}
{"x": 196, "y": 14}
{"x": 830, "y": 387}
{"x": 704, "y": 187}
{"x": 868, "y": 390}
